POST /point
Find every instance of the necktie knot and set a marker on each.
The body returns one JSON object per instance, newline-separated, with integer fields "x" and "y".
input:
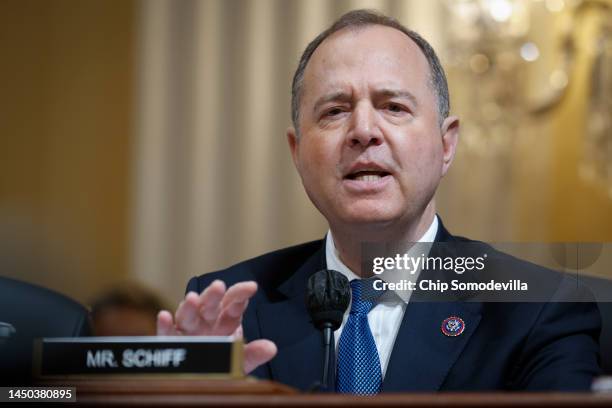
{"x": 363, "y": 295}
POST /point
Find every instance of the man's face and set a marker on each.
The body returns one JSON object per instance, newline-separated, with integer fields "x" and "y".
{"x": 371, "y": 150}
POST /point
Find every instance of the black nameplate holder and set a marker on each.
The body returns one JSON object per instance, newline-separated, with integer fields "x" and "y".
{"x": 158, "y": 356}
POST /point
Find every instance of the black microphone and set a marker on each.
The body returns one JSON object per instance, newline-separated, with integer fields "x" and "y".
{"x": 328, "y": 294}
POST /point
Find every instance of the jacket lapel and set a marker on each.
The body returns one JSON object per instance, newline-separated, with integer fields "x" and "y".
{"x": 422, "y": 354}
{"x": 299, "y": 362}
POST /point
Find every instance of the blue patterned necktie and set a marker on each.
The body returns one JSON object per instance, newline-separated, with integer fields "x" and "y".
{"x": 358, "y": 363}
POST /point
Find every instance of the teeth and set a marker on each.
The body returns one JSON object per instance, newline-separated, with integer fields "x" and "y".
{"x": 367, "y": 177}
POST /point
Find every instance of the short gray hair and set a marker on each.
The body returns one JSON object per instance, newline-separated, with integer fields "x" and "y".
{"x": 358, "y": 19}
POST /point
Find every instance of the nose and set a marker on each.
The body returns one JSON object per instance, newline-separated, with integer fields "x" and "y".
{"x": 364, "y": 129}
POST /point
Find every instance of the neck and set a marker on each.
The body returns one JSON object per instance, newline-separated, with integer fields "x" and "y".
{"x": 395, "y": 238}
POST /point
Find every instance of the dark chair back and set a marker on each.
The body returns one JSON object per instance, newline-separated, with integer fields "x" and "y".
{"x": 28, "y": 312}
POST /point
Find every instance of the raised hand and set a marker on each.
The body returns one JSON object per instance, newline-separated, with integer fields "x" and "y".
{"x": 217, "y": 311}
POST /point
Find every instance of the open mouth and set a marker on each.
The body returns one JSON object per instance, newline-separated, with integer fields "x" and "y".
{"x": 367, "y": 175}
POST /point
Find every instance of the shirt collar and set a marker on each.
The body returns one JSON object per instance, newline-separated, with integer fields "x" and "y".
{"x": 332, "y": 257}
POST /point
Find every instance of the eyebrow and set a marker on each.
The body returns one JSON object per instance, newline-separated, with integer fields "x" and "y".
{"x": 397, "y": 93}
{"x": 334, "y": 96}
{"x": 384, "y": 92}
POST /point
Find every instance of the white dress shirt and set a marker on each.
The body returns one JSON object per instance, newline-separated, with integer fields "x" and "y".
{"x": 386, "y": 316}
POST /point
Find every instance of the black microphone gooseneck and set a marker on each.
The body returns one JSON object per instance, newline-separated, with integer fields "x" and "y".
{"x": 328, "y": 295}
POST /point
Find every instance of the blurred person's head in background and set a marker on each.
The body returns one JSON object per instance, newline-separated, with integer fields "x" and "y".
{"x": 127, "y": 309}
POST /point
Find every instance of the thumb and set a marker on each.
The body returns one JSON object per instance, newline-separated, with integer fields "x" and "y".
{"x": 258, "y": 352}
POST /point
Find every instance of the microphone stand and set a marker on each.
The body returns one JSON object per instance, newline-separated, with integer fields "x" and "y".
{"x": 327, "y": 336}
{"x": 327, "y": 298}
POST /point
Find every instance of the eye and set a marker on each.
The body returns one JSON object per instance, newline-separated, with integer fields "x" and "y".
{"x": 394, "y": 107}
{"x": 334, "y": 111}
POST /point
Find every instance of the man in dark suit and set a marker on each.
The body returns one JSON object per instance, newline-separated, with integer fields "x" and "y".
{"x": 371, "y": 139}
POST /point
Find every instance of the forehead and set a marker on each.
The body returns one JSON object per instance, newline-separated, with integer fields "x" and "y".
{"x": 373, "y": 55}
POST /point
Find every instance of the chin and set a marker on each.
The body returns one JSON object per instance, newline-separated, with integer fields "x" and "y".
{"x": 369, "y": 216}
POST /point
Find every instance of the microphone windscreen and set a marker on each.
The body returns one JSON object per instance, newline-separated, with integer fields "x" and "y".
{"x": 328, "y": 294}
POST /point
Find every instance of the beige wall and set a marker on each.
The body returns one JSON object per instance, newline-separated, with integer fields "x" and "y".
{"x": 65, "y": 126}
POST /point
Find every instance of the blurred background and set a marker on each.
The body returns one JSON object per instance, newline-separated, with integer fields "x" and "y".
{"x": 144, "y": 141}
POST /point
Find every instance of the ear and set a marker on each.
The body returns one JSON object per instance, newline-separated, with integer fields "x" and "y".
{"x": 450, "y": 137}
{"x": 294, "y": 145}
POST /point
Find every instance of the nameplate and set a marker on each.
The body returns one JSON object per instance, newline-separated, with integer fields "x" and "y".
{"x": 166, "y": 356}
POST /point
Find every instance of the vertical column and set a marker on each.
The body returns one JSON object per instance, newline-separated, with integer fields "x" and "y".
{"x": 207, "y": 142}
{"x": 150, "y": 183}
{"x": 256, "y": 136}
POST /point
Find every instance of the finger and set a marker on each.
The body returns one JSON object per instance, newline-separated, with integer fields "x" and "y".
{"x": 165, "y": 324}
{"x": 233, "y": 305}
{"x": 210, "y": 301}
{"x": 239, "y": 292}
{"x": 186, "y": 316}
{"x": 236, "y": 297}
{"x": 258, "y": 352}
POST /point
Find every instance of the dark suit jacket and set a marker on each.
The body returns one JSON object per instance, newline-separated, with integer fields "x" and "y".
{"x": 34, "y": 312}
{"x": 505, "y": 346}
